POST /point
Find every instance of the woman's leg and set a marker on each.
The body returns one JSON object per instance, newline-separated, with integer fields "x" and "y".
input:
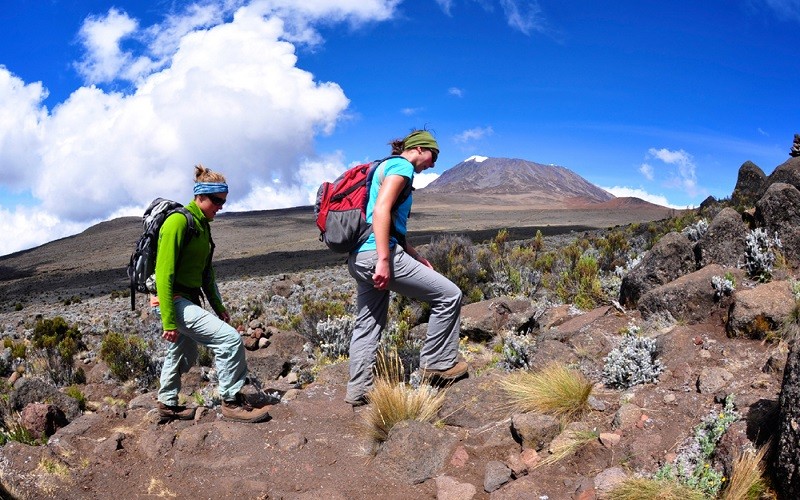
{"x": 181, "y": 355}
{"x": 413, "y": 279}
{"x": 204, "y": 327}
{"x": 372, "y": 308}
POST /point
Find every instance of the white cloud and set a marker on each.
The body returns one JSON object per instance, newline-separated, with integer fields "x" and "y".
{"x": 523, "y": 15}
{"x": 32, "y": 226}
{"x": 209, "y": 86}
{"x": 22, "y": 118}
{"x": 455, "y": 91}
{"x": 622, "y": 191}
{"x": 423, "y": 179}
{"x": 445, "y": 5}
{"x": 411, "y": 111}
{"x": 473, "y": 134}
{"x": 646, "y": 170}
{"x": 685, "y": 177}
{"x": 101, "y": 36}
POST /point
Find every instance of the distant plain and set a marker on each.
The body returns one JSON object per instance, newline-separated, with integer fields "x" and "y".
{"x": 286, "y": 240}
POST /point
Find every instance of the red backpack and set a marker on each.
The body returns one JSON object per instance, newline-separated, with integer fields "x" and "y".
{"x": 341, "y": 208}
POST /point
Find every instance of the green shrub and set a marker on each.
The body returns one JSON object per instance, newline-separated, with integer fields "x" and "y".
{"x": 455, "y": 258}
{"x": 75, "y": 393}
{"x": 60, "y": 342}
{"x": 581, "y": 284}
{"x": 127, "y": 358}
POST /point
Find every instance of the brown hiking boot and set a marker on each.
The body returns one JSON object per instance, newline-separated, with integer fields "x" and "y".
{"x": 239, "y": 410}
{"x": 448, "y": 376}
{"x": 177, "y": 412}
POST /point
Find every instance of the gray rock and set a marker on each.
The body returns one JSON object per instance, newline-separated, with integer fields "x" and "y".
{"x": 534, "y": 429}
{"x": 497, "y": 474}
{"x": 788, "y": 461}
{"x": 415, "y": 451}
{"x": 778, "y": 211}
{"x": 712, "y": 379}
{"x": 669, "y": 259}
{"x": 448, "y": 488}
{"x": 750, "y": 184}
{"x": 759, "y": 311}
{"x": 724, "y": 242}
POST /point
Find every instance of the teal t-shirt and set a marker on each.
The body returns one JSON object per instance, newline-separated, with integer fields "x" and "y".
{"x": 392, "y": 166}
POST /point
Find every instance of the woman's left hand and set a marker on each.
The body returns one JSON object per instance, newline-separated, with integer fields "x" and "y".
{"x": 422, "y": 260}
{"x": 224, "y": 316}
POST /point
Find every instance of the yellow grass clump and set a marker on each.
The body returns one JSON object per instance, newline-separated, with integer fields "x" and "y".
{"x": 392, "y": 400}
{"x": 747, "y": 479}
{"x": 653, "y": 489}
{"x": 554, "y": 390}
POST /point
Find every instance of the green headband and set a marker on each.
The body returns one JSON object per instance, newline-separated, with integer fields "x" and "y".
{"x": 420, "y": 139}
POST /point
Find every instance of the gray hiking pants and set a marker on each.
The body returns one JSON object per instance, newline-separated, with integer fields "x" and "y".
{"x": 414, "y": 280}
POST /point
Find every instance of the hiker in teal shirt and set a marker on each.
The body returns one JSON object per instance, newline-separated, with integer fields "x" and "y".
{"x": 184, "y": 275}
{"x": 387, "y": 262}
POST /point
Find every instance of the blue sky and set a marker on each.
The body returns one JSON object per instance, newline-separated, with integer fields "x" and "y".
{"x": 106, "y": 105}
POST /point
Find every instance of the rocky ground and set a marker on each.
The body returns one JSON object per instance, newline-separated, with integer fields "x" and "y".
{"x": 316, "y": 446}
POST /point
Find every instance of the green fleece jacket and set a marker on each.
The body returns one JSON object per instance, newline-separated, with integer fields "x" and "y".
{"x": 184, "y": 266}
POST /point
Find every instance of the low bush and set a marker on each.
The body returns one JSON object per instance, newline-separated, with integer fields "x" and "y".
{"x": 633, "y": 362}
{"x": 128, "y": 358}
{"x": 59, "y": 342}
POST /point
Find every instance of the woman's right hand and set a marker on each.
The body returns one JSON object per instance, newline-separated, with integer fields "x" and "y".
{"x": 382, "y": 275}
{"x": 170, "y": 335}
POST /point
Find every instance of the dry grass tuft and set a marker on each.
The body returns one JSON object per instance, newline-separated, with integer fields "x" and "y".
{"x": 392, "y": 400}
{"x": 555, "y": 390}
{"x": 575, "y": 440}
{"x": 653, "y": 489}
{"x": 747, "y": 480}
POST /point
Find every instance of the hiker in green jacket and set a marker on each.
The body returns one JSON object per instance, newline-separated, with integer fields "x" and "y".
{"x": 183, "y": 275}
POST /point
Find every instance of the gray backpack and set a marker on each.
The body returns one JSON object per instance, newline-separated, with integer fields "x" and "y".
{"x": 142, "y": 265}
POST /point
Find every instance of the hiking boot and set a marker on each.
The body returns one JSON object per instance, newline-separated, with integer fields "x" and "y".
{"x": 177, "y": 412}
{"x": 239, "y": 410}
{"x": 448, "y": 376}
{"x": 359, "y": 401}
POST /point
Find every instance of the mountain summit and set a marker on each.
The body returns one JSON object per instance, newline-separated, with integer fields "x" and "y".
{"x": 509, "y": 176}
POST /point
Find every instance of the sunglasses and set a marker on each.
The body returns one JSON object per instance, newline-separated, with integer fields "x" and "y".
{"x": 216, "y": 200}
{"x": 434, "y": 155}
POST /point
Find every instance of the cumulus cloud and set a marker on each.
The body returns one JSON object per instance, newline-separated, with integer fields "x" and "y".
{"x": 411, "y": 111}
{"x": 622, "y": 191}
{"x": 473, "y": 134}
{"x": 217, "y": 84}
{"x": 423, "y": 179}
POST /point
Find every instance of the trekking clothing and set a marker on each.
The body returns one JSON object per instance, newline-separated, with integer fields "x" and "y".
{"x": 199, "y": 326}
{"x": 185, "y": 271}
{"x": 392, "y": 166}
{"x": 412, "y": 279}
{"x": 181, "y": 275}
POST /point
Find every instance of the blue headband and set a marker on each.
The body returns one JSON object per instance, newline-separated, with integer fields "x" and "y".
{"x": 210, "y": 187}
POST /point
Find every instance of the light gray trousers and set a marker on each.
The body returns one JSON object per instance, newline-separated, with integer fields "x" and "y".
{"x": 414, "y": 280}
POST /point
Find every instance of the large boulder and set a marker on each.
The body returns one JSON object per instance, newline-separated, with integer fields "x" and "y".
{"x": 787, "y": 465}
{"x": 778, "y": 211}
{"x": 725, "y": 241}
{"x": 750, "y": 184}
{"x": 481, "y": 321}
{"x": 670, "y": 258}
{"x": 415, "y": 451}
{"x": 787, "y": 172}
{"x": 35, "y": 390}
{"x": 756, "y": 312}
{"x": 689, "y": 298}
